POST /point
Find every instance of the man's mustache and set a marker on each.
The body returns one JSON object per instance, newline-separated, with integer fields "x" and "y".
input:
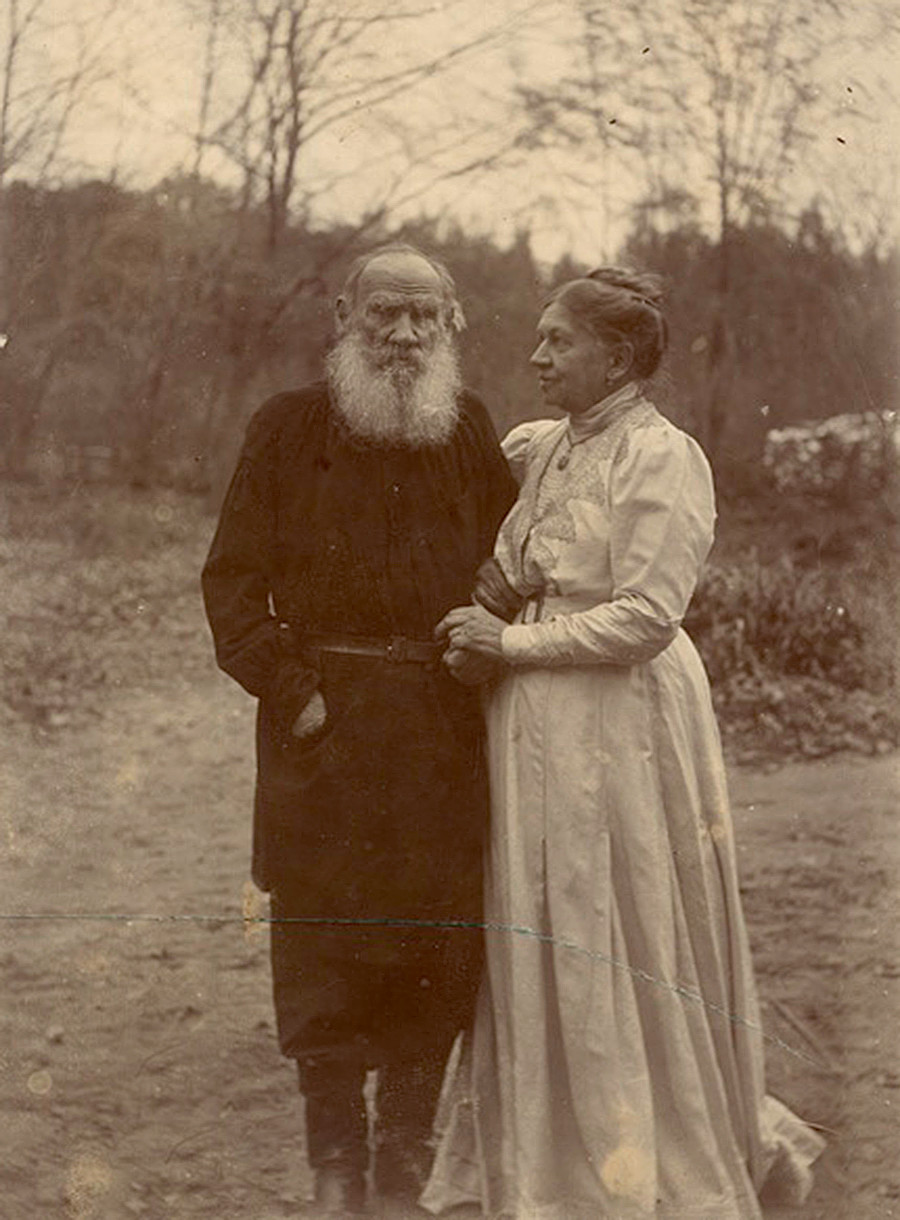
{"x": 388, "y": 354}
{"x": 395, "y": 391}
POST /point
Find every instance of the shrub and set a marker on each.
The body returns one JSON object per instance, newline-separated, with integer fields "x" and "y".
{"x": 100, "y": 591}
{"x": 753, "y": 618}
{"x": 836, "y": 458}
{"x": 800, "y": 660}
{"x": 802, "y": 718}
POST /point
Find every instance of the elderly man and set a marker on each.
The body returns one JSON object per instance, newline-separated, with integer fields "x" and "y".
{"x": 358, "y": 514}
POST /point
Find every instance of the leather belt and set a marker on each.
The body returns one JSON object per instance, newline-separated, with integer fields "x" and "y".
{"x": 397, "y": 649}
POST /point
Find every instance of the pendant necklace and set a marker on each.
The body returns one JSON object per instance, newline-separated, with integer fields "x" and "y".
{"x": 564, "y": 459}
{"x": 597, "y": 419}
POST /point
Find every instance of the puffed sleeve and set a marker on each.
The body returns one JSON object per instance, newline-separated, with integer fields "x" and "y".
{"x": 516, "y": 445}
{"x": 662, "y": 515}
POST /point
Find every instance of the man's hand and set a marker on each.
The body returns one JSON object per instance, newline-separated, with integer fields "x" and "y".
{"x": 469, "y": 668}
{"x": 312, "y": 718}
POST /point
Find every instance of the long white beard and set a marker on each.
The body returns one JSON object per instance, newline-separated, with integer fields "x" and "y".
{"x": 410, "y": 402}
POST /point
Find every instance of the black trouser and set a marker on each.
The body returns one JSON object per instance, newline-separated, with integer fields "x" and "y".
{"x": 350, "y": 999}
{"x": 336, "y": 1122}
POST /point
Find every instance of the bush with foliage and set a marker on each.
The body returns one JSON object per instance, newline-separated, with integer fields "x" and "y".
{"x": 839, "y": 457}
{"x": 800, "y": 663}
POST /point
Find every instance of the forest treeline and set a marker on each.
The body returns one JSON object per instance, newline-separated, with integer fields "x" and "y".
{"x": 145, "y": 326}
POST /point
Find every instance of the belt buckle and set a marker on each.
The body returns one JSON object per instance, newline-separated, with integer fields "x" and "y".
{"x": 535, "y": 603}
{"x": 397, "y": 648}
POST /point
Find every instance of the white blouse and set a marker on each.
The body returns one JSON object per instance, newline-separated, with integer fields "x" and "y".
{"x": 613, "y": 523}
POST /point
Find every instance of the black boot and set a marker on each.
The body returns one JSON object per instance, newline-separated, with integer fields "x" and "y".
{"x": 340, "y": 1191}
{"x": 336, "y": 1133}
{"x": 402, "y": 1166}
{"x": 406, "y": 1100}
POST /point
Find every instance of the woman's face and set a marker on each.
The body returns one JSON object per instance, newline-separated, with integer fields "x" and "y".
{"x": 575, "y": 367}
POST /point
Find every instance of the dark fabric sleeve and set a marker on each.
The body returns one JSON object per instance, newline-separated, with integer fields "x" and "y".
{"x": 251, "y": 645}
{"x": 495, "y": 593}
{"x": 498, "y": 488}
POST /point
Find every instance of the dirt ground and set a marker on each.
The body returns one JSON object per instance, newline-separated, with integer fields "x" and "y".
{"x": 139, "y": 1074}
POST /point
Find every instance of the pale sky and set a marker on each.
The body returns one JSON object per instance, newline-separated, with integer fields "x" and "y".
{"x": 136, "y": 119}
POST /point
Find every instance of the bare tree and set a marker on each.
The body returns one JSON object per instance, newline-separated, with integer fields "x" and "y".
{"x": 279, "y": 85}
{"x": 39, "y": 97}
{"x": 312, "y": 69}
{"x": 213, "y": 21}
{"x": 725, "y": 92}
{"x": 40, "y": 93}
{"x": 281, "y": 79}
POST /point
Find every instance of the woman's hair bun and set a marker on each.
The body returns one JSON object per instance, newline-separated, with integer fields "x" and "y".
{"x": 645, "y": 285}
{"x": 616, "y": 303}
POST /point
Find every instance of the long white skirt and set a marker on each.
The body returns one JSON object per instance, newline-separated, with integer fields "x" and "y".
{"x": 615, "y": 1069}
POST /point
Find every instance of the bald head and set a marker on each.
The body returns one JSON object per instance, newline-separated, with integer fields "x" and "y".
{"x": 401, "y": 269}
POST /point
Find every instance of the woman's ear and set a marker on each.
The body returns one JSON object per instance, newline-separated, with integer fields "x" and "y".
{"x": 621, "y": 362}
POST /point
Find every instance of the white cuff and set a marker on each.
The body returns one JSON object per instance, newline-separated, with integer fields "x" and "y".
{"x": 516, "y": 642}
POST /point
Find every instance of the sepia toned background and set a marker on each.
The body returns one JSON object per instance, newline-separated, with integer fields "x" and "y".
{"x": 182, "y": 185}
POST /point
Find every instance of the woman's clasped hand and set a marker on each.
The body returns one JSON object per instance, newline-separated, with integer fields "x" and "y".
{"x": 615, "y": 1065}
{"x": 474, "y": 652}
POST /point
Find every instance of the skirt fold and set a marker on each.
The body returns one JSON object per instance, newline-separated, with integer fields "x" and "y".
{"x": 615, "y": 1068}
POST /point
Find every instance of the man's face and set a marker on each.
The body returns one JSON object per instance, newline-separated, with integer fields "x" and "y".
{"x": 398, "y": 311}
{"x": 394, "y": 372}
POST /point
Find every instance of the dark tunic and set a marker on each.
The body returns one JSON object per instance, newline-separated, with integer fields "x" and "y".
{"x": 380, "y": 815}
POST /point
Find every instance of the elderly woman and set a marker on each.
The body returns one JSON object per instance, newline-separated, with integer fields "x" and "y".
{"x": 616, "y": 1065}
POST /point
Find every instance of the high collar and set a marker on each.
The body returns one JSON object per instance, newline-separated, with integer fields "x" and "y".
{"x": 602, "y": 413}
